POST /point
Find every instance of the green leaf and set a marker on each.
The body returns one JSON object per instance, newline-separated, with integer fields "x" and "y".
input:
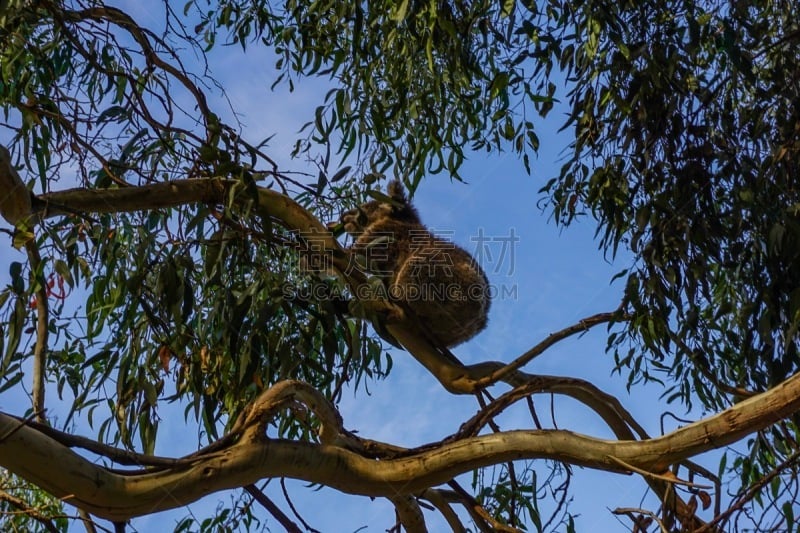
{"x": 399, "y": 14}
{"x": 340, "y": 174}
{"x": 21, "y": 238}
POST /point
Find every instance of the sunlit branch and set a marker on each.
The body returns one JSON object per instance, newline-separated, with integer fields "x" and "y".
{"x": 453, "y": 375}
{"x": 277, "y": 396}
{"x": 408, "y": 513}
{"x": 35, "y": 457}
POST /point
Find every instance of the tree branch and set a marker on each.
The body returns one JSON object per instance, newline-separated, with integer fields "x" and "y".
{"x": 408, "y": 513}
{"x": 42, "y": 319}
{"x": 750, "y": 493}
{"x": 582, "y": 326}
{"x": 451, "y": 373}
{"x": 65, "y": 474}
{"x": 273, "y": 509}
{"x": 436, "y": 497}
{"x": 32, "y": 512}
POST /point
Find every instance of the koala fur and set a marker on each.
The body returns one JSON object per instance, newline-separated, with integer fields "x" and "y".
{"x": 438, "y": 281}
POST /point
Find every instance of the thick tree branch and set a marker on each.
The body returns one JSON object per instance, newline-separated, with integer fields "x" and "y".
{"x": 409, "y": 514}
{"x": 58, "y": 470}
{"x": 453, "y": 375}
{"x": 265, "y": 406}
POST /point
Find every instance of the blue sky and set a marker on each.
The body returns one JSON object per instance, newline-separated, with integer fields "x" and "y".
{"x": 559, "y": 276}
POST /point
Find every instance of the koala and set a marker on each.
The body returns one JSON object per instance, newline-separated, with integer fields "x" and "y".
{"x": 438, "y": 281}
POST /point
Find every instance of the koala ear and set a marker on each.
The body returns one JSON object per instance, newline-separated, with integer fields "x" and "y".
{"x": 396, "y": 191}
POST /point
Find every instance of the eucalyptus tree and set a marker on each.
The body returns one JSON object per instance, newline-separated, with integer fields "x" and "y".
{"x": 184, "y": 240}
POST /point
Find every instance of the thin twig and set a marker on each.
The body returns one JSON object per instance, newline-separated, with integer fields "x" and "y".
{"x": 88, "y": 523}
{"x": 273, "y": 509}
{"x": 637, "y": 520}
{"x": 42, "y": 319}
{"x": 751, "y": 492}
{"x": 671, "y": 479}
{"x": 294, "y": 510}
{"x": 582, "y": 326}
{"x": 26, "y": 509}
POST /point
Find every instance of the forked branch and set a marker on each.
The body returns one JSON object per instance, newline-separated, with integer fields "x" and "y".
{"x": 119, "y": 496}
{"x": 457, "y": 455}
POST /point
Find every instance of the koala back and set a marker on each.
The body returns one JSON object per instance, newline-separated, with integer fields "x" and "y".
{"x": 437, "y": 280}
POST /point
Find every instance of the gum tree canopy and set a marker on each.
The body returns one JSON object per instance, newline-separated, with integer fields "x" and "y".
{"x": 161, "y": 240}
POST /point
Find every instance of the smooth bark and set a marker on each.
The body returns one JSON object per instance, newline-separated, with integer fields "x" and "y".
{"x": 64, "y": 473}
